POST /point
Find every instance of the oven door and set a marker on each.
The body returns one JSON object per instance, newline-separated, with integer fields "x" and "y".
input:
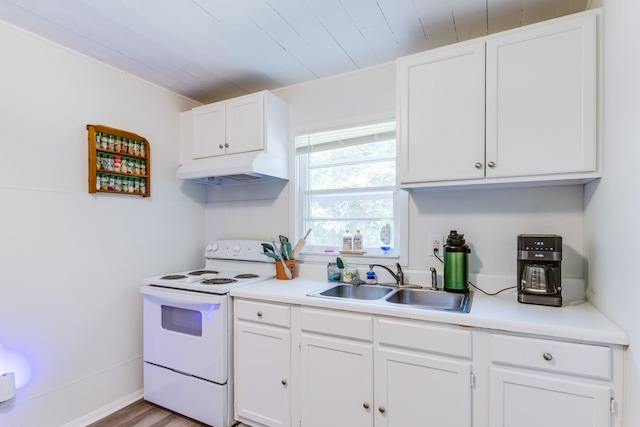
{"x": 187, "y": 332}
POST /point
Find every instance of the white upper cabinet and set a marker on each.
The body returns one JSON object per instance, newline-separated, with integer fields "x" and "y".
{"x": 229, "y": 127}
{"x": 442, "y": 119}
{"x": 519, "y": 106}
{"x": 243, "y": 139}
{"x": 541, "y": 100}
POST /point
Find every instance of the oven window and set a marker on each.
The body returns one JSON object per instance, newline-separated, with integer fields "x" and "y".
{"x": 182, "y": 320}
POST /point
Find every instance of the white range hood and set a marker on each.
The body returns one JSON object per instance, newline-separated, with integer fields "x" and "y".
{"x": 257, "y": 166}
{"x": 236, "y": 141}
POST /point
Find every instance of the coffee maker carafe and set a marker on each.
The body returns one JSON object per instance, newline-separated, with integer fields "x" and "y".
{"x": 539, "y": 269}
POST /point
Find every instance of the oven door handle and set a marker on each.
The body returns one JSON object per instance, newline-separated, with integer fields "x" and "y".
{"x": 182, "y": 297}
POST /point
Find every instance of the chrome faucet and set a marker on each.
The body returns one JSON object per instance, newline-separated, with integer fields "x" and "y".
{"x": 399, "y": 276}
{"x": 434, "y": 279}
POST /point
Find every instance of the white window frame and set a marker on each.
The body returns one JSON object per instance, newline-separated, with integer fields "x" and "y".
{"x": 400, "y": 238}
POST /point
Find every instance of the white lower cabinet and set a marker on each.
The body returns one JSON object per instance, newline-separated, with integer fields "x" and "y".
{"x": 313, "y": 367}
{"x": 336, "y": 381}
{"x": 360, "y": 370}
{"x": 415, "y": 389}
{"x": 262, "y": 364}
{"x": 539, "y": 382}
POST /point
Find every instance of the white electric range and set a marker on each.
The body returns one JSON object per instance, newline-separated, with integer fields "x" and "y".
{"x": 188, "y": 331}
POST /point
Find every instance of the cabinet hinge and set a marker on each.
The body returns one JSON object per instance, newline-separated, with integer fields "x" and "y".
{"x": 472, "y": 380}
{"x": 612, "y": 405}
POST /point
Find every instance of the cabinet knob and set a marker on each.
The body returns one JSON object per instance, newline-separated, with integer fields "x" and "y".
{"x": 284, "y": 382}
{"x": 547, "y": 356}
{"x": 491, "y": 164}
{"x": 365, "y": 405}
{"x": 226, "y": 145}
{"x": 221, "y": 146}
{"x": 478, "y": 165}
{"x": 259, "y": 314}
{"x": 382, "y": 410}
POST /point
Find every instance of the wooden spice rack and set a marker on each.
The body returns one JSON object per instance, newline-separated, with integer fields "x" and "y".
{"x": 137, "y": 184}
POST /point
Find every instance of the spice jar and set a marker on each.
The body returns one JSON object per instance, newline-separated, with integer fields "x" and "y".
{"x": 143, "y": 149}
{"x": 112, "y": 142}
{"x": 118, "y": 146}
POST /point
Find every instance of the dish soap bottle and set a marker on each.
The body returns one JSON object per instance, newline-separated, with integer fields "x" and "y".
{"x": 357, "y": 241}
{"x": 347, "y": 241}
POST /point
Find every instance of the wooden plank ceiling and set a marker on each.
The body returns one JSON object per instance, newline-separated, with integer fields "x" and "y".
{"x": 216, "y": 49}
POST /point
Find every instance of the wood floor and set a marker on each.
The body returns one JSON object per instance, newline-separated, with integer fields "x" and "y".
{"x": 145, "y": 414}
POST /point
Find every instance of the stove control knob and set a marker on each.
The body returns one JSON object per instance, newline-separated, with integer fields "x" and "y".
{"x": 212, "y": 247}
{"x": 237, "y": 248}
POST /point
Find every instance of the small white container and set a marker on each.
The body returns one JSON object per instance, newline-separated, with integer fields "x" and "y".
{"x": 347, "y": 241}
{"x": 357, "y": 241}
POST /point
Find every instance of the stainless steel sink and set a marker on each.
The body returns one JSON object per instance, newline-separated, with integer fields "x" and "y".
{"x": 429, "y": 299}
{"x": 424, "y": 299}
{"x": 347, "y": 291}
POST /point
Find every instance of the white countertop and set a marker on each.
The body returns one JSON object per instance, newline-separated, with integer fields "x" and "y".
{"x": 579, "y": 322}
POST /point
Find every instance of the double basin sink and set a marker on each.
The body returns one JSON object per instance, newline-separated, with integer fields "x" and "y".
{"x": 421, "y": 298}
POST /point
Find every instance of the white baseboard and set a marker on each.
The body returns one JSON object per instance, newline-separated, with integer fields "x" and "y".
{"x": 106, "y": 410}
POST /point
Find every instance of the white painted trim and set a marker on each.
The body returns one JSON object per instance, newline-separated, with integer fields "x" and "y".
{"x": 106, "y": 410}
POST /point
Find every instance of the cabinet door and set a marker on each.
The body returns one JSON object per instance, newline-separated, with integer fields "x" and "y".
{"x": 262, "y": 374}
{"x": 414, "y": 389}
{"x": 245, "y": 124}
{"x": 336, "y": 382}
{"x": 521, "y": 399}
{"x": 541, "y": 100}
{"x": 208, "y": 131}
{"x": 441, "y": 110}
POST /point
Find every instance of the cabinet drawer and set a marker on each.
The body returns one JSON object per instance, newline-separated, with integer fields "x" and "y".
{"x": 265, "y": 313}
{"x": 423, "y": 337}
{"x": 339, "y": 324}
{"x": 556, "y": 356}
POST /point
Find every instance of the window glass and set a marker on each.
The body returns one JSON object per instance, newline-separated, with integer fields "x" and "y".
{"x": 346, "y": 180}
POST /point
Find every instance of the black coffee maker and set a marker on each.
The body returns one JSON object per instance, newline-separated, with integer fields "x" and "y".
{"x": 539, "y": 269}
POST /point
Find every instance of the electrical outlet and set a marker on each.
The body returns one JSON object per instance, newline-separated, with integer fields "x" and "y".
{"x": 436, "y": 241}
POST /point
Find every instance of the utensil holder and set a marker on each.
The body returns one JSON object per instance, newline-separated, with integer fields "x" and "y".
{"x": 291, "y": 265}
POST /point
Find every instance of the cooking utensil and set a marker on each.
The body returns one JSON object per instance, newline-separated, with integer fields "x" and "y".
{"x": 285, "y": 247}
{"x": 287, "y": 272}
{"x": 300, "y": 245}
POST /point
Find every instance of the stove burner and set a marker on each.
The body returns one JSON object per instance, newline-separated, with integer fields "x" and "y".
{"x": 173, "y": 277}
{"x": 201, "y": 272}
{"x": 246, "y": 276}
{"x": 218, "y": 281}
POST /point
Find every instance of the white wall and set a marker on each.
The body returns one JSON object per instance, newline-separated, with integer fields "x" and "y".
{"x": 612, "y": 206}
{"x": 72, "y": 262}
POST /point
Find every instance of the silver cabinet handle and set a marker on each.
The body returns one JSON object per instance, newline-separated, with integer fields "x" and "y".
{"x": 382, "y": 410}
{"x": 491, "y": 164}
{"x": 478, "y": 165}
{"x": 284, "y": 382}
{"x": 259, "y": 314}
{"x": 547, "y": 356}
{"x": 365, "y": 405}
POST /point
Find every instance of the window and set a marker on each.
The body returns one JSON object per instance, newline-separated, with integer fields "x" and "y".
{"x": 346, "y": 180}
